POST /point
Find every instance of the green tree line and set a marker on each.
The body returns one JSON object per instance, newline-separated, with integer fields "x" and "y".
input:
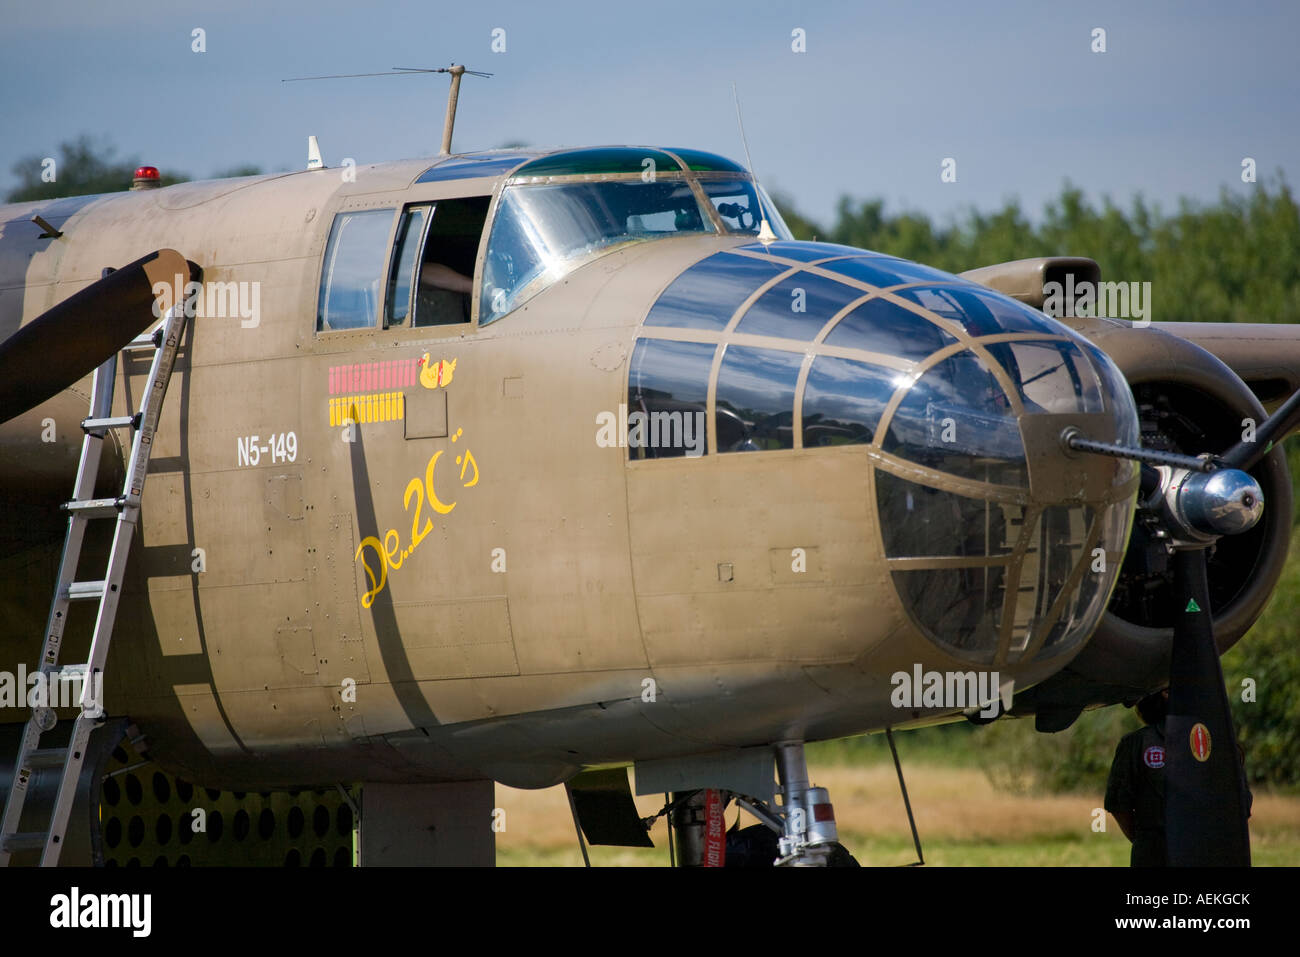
{"x": 1234, "y": 260}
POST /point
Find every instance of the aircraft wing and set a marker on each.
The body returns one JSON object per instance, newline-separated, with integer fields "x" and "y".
{"x": 1265, "y": 355}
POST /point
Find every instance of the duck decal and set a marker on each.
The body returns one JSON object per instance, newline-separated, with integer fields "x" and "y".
{"x": 436, "y": 374}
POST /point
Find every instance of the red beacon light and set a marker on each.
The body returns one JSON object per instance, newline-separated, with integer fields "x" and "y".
{"x": 146, "y": 177}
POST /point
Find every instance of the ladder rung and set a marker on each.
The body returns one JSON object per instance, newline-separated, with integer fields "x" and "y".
{"x": 95, "y": 507}
{"x": 80, "y": 591}
{"x": 149, "y": 341}
{"x": 114, "y": 422}
{"x": 25, "y": 841}
{"x": 47, "y": 758}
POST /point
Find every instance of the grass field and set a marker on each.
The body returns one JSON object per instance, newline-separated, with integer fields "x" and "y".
{"x": 961, "y": 818}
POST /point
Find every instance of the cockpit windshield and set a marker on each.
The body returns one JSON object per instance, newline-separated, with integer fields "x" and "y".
{"x": 737, "y": 202}
{"x": 543, "y": 231}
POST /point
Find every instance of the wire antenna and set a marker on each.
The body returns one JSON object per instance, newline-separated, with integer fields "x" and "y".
{"x": 765, "y": 234}
{"x": 456, "y": 70}
{"x": 394, "y": 71}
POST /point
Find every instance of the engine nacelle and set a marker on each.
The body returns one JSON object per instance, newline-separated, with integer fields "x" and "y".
{"x": 1189, "y": 402}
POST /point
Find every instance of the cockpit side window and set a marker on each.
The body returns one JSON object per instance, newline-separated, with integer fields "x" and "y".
{"x": 742, "y": 205}
{"x": 353, "y": 270}
{"x": 401, "y": 281}
{"x": 445, "y": 289}
{"x": 736, "y": 203}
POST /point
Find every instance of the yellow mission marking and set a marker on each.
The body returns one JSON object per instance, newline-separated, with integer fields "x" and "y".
{"x": 379, "y": 407}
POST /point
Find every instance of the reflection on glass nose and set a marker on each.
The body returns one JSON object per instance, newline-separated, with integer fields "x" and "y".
{"x": 806, "y": 346}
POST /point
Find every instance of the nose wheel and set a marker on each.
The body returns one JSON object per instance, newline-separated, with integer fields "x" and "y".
{"x": 799, "y": 832}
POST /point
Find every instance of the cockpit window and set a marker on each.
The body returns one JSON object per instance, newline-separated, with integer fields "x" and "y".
{"x": 701, "y": 161}
{"x": 354, "y": 269}
{"x": 401, "y": 281}
{"x": 543, "y": 232}
{"x": 433, "y": 262}
{"x": 599, "y": 160}
{"x": 472, "y": 167}
{"x": 738, "y": 203}
{"x": 445, "y": 290}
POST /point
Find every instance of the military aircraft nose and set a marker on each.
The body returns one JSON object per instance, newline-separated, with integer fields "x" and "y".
{"x": 1000, "y": 545}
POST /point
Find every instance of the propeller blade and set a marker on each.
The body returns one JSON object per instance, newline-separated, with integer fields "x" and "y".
{"x": 70, "y": 341}
{"x": 1245, "y": 455}
{"x": 1205, "y": 791}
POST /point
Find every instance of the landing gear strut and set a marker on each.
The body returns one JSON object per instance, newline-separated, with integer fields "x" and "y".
{"x": 799, "y": 832}
{"x": 809, "y": 834}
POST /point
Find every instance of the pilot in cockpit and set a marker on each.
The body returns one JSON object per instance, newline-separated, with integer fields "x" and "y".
{"x": 445, "y": 292}
{"x": 442, "y": 276}
{"x": 443, "y": 296}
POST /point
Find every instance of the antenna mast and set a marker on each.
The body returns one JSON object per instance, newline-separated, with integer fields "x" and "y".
{"x": 456, "y": 70}
{"x": 449, "y": 124}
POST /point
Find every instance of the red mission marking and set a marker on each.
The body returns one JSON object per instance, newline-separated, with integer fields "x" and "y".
{"x": 373, "y": 376}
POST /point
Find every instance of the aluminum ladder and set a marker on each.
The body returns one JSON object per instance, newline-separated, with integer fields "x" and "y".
{"x": 82, "y": 509}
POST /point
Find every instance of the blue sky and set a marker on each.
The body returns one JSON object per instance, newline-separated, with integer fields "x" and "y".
{"x": 883, "y": 94}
